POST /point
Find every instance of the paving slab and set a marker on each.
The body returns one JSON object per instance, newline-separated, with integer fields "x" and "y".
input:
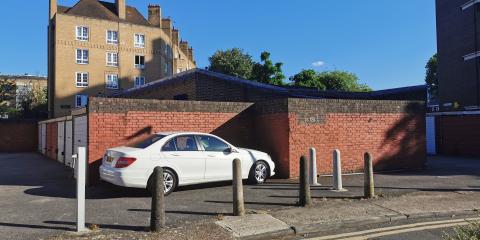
{"x": 432, "y": 202}
{"x": 254, "y": 225}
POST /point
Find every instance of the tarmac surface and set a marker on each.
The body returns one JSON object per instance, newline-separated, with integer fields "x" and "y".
{"x": 37, "y": 197}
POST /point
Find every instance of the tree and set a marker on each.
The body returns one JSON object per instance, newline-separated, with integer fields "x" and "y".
{"x": 232, "y": 62}
{"x": 330, "y": 80}
{"x": 267, "y": 72}
{"x": 7, "y": 95}
{"x": 33, "y": 101}
{"x": 431, "y": 77}
{"x": 307, "y": 78}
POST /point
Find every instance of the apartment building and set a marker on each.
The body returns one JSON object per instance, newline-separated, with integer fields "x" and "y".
{"x": 98, "y": 48}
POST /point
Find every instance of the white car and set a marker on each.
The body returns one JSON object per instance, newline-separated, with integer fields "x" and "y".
{"x": 186, "y": 157}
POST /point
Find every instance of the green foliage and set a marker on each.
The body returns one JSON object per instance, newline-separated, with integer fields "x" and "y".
{"x": 7, "y": 95}
{"x": 329, "y": 80}
{"x": 33, "y": 102}
{"x": 233, "y": 62}
{"x": 467, "y": 232}
{"x": 431, "y": 76}
{"x": 268, "y": 72}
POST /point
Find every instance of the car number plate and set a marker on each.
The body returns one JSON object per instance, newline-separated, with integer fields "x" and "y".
{"x": 109, "y": 159}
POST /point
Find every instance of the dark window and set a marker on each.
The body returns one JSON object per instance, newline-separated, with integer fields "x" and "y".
{"x": 181, "y": 97}
{"x": 146, "y": 142}
{"x": 169, "y": 146}
{"x": 181, "y": 143}
{"x": 212, "y": 144}
{"x": 139, "y": 61}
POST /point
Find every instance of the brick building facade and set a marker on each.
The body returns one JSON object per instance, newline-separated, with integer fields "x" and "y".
{"x": 98, "y": 48}
{"x": 285, "y": 128}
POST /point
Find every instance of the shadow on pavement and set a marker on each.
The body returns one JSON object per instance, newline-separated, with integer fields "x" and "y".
{"x": 102, "y": 226}
{"x": 255, "y": 203}
{"x": 186, "y": 212}
{"x": 20, "y": 225}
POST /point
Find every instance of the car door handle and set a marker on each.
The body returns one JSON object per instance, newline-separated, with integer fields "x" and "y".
{"x": 175, "y": 154}
{"x": 211, "y": 155}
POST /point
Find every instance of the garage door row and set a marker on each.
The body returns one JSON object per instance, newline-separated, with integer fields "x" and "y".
{"x": 60, "y": 138}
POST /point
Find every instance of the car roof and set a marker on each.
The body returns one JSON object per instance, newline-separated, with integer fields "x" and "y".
{"x": 179, "y": 132}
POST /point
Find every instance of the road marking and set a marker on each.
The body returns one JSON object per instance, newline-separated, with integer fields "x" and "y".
{"x": 398, "y": 229}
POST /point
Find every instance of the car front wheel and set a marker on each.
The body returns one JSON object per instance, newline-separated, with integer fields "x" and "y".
{"x": 170, "y": 182}
{"x": 259, "y": 173}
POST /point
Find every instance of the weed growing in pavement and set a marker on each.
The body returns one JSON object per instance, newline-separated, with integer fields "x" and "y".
{"x": 466, "y": 232}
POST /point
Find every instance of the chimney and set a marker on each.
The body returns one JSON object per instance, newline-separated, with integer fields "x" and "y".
{"x": 121, "y": 9}
{"x": 175, "y": 37}
{"x": 53, "y": 8}
{"x": 167, "y": 23}
{"x": 155, "y": 15}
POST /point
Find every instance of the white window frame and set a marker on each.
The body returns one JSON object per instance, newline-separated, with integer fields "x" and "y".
{"x": 83, "y": 100}
{"x": 139, "y": 44}
{"x": 81, "y": 59}
{"x": 139, "y": 78}
{"x": 82, "y": 37}
{"x": 469, "y": 4}
{"x": 111, "y": 41}
{"x": 165, "y": 68}
{"x": 139, "y": 66}
{"x": 108, "y": 58}
{"x": 81, "y": 83}
{"x": 107, "y": 81}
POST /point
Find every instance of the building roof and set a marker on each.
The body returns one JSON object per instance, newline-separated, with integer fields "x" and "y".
{"x": 103, "y": 10}
{"x": 23, "y": 77}
{"x": 295, "y": 92}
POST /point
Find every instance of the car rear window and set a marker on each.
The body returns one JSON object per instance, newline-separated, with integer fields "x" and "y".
{"x": 146, "y": 142}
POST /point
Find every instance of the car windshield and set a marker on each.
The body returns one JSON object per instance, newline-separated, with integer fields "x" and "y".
{"x": 146, "y": 142}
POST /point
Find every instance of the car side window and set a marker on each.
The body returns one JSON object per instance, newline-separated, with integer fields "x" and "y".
{"x": 213, "y": 144}
{"x": 169, "y": 146}
{"x": 186, "y": 143}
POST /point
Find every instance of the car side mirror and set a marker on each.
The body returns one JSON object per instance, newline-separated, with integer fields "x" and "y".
{"x": 231, "y": 150}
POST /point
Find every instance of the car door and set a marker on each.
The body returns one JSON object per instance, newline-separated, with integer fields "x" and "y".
{"x": 219, "y": 158}
{"x": 183, "y": 153}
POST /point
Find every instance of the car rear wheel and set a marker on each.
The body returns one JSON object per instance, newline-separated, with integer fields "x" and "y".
{"x": 259, "y": 173}
{"x": 170, "y": 182}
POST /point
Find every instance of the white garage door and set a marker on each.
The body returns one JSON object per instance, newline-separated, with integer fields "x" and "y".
{"x": 44, "y": 138}
{"x": 68, "y": 143}
{"x": 61, "y": 142}
{"x": 431, "y": 146}
{"x": 79, "y": 133}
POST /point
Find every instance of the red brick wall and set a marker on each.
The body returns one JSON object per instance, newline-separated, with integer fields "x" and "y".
{"x": 51, "y": 141}
{"x": 108, "y": 130}
{"x": 395, "y": 140}
{"x": 272, "y": 133}
{"x": 18, "y": 136}
{"x": 458, "y": 135}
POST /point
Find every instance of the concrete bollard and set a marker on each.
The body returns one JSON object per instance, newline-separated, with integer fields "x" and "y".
{"x": 313, "y": 167}
{"x": 305, "y": 196}
{"x": 157, "y": 215}
{"x": 337, "y": 171}
{"x": 369, "y": 187}
{"x": 238, "y": 204}
{"x": 80, "y": 169}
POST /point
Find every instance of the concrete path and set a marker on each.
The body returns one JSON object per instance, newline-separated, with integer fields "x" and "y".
{"x": 37, "y": 197}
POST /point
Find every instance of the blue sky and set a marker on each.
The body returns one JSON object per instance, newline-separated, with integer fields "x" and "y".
{"x": 385, "y": 42}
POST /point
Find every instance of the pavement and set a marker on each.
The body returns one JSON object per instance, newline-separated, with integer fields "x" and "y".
{"x": 37, "y": 198}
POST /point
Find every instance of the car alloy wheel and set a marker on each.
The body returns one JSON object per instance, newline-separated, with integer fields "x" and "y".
{"x": 168, "y": 182}
{"x": 261, "y": 172}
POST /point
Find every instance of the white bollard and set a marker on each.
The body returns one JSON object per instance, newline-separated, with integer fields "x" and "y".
{"x": 337, "y": 171}
{"x": 80, "y": 167}
{"x": 313, "y": 167}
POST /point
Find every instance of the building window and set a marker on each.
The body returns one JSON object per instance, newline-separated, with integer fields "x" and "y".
{"x": 81, "y": 100}
{"x": 81, "y": 79}
{"x": 139, "y": 81}
{"x": 82, "y": 33}
{"x": 112, "y": 37}
{"x": 139, "y": 62}
{"x": 165, "y": 68}
{"x": 112, "y": 81}
{"x": 112, "y": 59}
{"x": 139, "y": 40}
{"x": 82, "y": 56}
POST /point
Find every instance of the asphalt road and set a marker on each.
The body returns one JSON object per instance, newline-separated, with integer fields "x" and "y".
{"x": 37, "y": 196}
